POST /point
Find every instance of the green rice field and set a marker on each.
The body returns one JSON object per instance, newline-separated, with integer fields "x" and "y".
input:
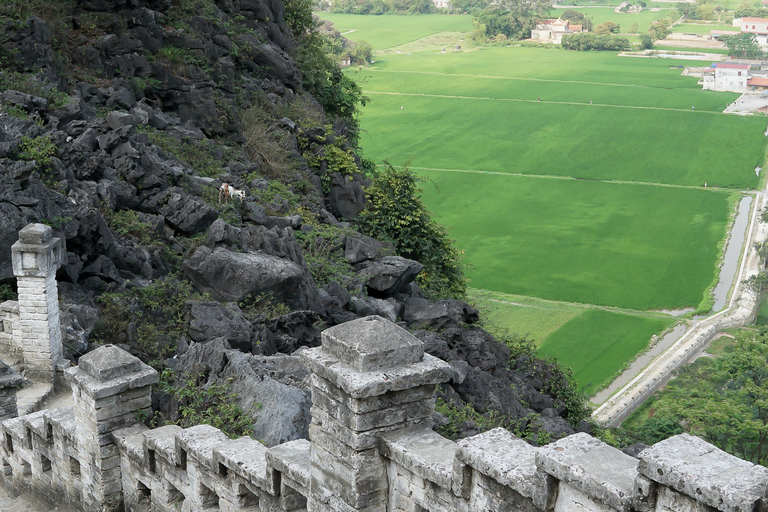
{"x": 387, "y": 31}
{"x": 701, "y": 29}
{"x": 625, "y": 20}
{"x": 594, "y": 369}
{"x": 573, "y": 181}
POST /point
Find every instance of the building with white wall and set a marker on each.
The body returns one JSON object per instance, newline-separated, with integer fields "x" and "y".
{"x": 552, "y": 31}
{"x": 757, "y": 26}
{"x": 725, "y": 76}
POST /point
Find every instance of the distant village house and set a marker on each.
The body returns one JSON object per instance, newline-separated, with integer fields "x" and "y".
{"x": 552, "y": 31}
{"x": 724, "y": 76}
{"x": 757, "y": 26}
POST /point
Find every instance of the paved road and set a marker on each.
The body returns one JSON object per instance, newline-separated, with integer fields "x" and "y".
{"x": 739, "y": 312}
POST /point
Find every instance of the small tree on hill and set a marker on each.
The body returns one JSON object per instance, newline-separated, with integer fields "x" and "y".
{"x": 396, "y": 213}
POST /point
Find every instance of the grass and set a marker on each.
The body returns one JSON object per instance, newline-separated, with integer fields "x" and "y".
{"x": 516, "y": 314}
{"x": 580, "y": 220}
{"x": 387, "y": 31}
{"x": 701, "y": 29}
{"x": 584, "y": 241}
{"x": 625, "y": 20}
{"x": 597, "y": 344}
{"x": 639, "y": 128}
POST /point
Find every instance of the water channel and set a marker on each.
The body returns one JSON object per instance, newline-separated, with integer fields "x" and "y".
{"x": 728, "y": 270}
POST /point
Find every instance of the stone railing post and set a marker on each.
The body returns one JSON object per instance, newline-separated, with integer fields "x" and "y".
{"x": 368, "y": 378}
{"x": 36, "y": 257}
{"x": 111, "y": 389}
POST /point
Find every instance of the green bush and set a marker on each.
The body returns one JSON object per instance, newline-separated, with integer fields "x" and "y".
{"x": 199, "y": 155}
{"x": 395, "y": 212}
{"x": 155, "y": 312}
{"x": 29, "y": 84}
{"x": 7, "y": 293}
{"x": 323, "y": 250}
{"x": 461, "y": 417}
{"x": 38, "y": 149}
{"x": 210, "y": 404}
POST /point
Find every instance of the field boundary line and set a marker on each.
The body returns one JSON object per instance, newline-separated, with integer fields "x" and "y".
{"x": 517, "y": 100}
{"x": 525, "y": 79}
{"x": 560, "y": 177}
{"x": 552, "y": 304}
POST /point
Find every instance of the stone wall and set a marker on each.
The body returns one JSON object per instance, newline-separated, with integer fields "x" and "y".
{"x": 371, "y": 449}
{"x": 10, "y": 331}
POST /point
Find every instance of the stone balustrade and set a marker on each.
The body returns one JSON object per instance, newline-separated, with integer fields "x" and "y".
{"x": 370, "y": 449}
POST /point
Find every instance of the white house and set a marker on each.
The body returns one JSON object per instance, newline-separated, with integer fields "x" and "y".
{"x": 552, "y": 31}
{"x": 442, "y": 4}
{"x": 725, "y": 76}
{"x": 757, "y": 26}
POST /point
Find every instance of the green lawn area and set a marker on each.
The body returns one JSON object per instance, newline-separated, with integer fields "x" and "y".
{"x": 597, "y": 344}
{"x": 583, "y": 241}
{"x": 515, "y": 314}
{"x": 701, "y": 29}
{"x": 625, "y": 20}
{"x": 387, "y": 31}
{"x": 639, "y": 128}
{"x": 559, "y": 201}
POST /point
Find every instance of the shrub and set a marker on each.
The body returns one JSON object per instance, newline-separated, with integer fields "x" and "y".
{"x": 40, "y": 150}
{"x": 211, "y": 404}
{"x": 198, "y": 154}
{"x": 154, "y": 313}
{"x": 395, "y": 212}
{"x": 264, "y": 143}
{"x": 7, "y": 293}
{"x": 323, "y": 250}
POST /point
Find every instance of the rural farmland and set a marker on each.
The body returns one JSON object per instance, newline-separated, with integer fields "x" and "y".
{"x": 590, "y": 192}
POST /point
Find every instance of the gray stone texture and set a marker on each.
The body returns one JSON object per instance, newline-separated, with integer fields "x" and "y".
{"x": 707, "y": 474}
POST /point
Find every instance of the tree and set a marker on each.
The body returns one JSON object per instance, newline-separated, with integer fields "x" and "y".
{"x": 646, "y": 42}
{"x": 608, "y": 27}
{"x": 635, "y": 28}
{"x": 396, "y": 213}
{"x": 578, "y": 18}
{"x": 757, "y": 284}
{"x": 513, "y": 18}
{"x": 743, "y": 45}
{"x": 723, "y": 400}
{"x": 659, "y": 29}
{"x": 362, "y": 53}
{"x": 590, "y": 41}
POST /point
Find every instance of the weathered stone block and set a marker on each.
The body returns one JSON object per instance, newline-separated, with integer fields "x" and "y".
{"x": 601, "y": 472}
{"x": 707, "y": 474}
{"x": 372, "y": 344}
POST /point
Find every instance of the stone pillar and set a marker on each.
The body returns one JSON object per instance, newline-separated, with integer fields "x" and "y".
{"x": 9, "y": 383}
{"x": 368, "y": 378}
{"x": 36, "y": 257}
{"x": 111, "y": 389}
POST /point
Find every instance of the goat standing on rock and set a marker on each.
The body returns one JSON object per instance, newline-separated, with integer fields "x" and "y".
{"x": 226, "y": 190}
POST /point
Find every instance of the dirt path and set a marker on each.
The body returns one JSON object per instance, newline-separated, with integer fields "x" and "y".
{"x": 558, "y": 177}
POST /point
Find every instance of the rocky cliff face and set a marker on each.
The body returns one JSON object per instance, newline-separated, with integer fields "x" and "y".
{"x": 120, "y": 121}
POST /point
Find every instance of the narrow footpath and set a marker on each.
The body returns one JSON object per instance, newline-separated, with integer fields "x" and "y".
{"x": 740, "y": 311}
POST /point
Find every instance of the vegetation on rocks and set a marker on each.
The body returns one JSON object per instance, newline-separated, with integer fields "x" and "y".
{"x": 198, "y": 403}
{"x": 395, "y": 212}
